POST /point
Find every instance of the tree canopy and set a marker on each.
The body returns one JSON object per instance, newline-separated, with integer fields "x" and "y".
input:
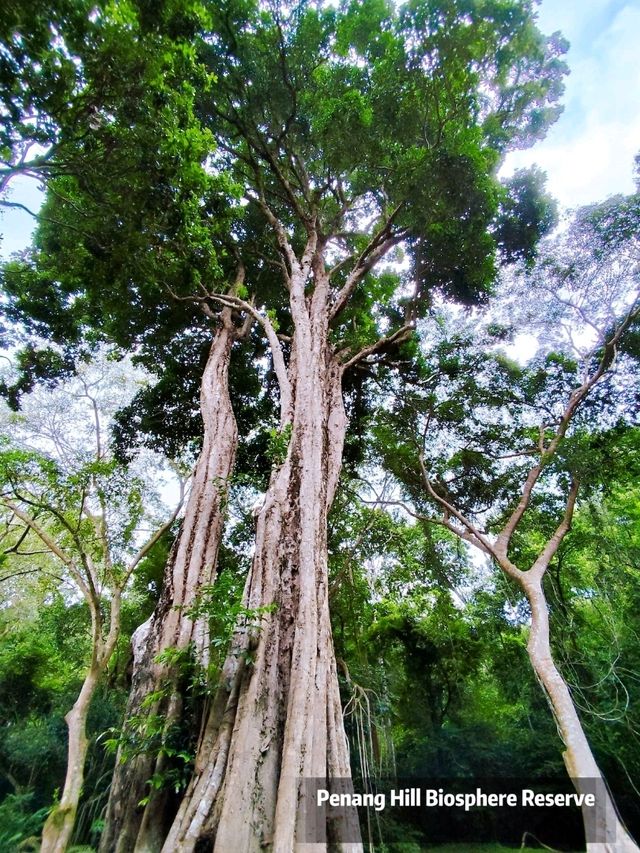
{"x": 291, "y": 215}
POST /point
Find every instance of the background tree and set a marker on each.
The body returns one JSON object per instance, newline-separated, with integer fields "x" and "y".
{"x": 88, "y": 514}
{"x": 497, "y": 469}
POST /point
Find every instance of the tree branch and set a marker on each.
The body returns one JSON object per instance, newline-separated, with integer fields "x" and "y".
{"x": 475, "y": 536}
{"x": 274, "y": 344}
{"x": 142, "y": 553}
{"x": 544, "y": 558}
{"x": 376, "y": 249}
{"x": 41, "y": 218}
{"x": 50, "y": 542}
{"x": 281, "y": 236}
{"x": 398, "y": 336}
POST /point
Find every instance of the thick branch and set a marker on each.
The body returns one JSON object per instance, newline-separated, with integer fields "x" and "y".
{"x": 276, "y": 350}
{"x": 466, "y": 535}
{"x": 281, "y": 236}
{"x": 475, "y": 536}
{"x": 24, "y": 166}
{"x": 544, "y": 558}
{"x": 504, "y": 537}
{"x": 272, "y": 160}
{"x": 376, "y": 249}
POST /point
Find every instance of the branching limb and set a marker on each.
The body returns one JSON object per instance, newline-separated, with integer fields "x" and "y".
{"x": 546, "y": 555}
{"x": 273, "y": 162}
{"x": 281, "y": 238}
{"x": 276, "y": 349}
{"x": 445, "y": 521}
{"x": 22, "y": 166}
{"x": 14, "y": 549}
{"x": 377, "y": 248}
{"x": 547, "y": 451}
{"x": 142, "y": 553}
{"x": 396, "y": 337}
{"x": 50, "y": 542}
{"x": 504, "y": 537}
{"x": 470, "y": 532}
{"x": 32, "y": 571}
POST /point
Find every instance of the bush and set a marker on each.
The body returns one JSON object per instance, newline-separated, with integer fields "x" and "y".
{"x": 18, "y": 823}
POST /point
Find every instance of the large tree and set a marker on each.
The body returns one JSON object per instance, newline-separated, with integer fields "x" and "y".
{"x": 351, "y": 133}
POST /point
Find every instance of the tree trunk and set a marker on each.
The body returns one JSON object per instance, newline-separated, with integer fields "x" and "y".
{"x": 191, "y": 566}
{"x": 57, "y": 830}
{"x": 604, "y": 830}
{"x": 277, "y": 719}
{"x": 59, "y": 825}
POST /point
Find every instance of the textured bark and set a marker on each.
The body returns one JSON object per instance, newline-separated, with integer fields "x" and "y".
{"x": 191, "y": 566}
{"x": 604, "y": 830}
{"x": 277, "y": 718}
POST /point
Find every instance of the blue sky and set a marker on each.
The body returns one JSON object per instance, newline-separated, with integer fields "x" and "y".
{"x": 589, "y": 152}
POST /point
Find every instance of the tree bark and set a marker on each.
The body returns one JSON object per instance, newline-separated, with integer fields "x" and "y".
{"x": 604, "y": 830}
{"x": 191, "y": 567}
{"x": 276, "y": 719}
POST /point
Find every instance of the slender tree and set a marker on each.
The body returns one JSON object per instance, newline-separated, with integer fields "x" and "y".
{"x": 498, "y": 461}
{"x": 88, "y": 513}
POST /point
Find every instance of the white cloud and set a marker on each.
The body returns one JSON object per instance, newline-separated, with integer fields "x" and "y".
{"x": 589, "y": 153}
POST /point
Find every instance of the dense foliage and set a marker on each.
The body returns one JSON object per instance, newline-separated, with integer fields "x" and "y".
{"x": 196, "y": 156}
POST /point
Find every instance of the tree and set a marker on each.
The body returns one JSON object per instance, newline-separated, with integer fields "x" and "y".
{"x": 349, "y": 132}
{"x": 532, "y": 439}
{"x": 133, "y": 218}
{"x": 88, "y": 513}
{"x": 591, "y": 593}
{"x": 342, "y": 161}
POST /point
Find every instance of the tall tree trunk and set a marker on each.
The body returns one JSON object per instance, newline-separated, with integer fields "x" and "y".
{"x": 604, "y": 831}
{"x": 191, "y": 566}
{"x": 277, "y": 719}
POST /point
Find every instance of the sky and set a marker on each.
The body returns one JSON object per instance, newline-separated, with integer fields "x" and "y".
{"x": 587, "y": 155}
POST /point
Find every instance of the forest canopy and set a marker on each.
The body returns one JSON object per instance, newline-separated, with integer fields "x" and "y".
{"x": 280, "y": 499}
